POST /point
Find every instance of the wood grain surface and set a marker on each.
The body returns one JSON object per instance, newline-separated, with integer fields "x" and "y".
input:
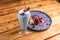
{"x": 9, "y": 25}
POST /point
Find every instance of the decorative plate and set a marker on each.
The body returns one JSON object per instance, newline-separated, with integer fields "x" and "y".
{"x": 39, "y": 21}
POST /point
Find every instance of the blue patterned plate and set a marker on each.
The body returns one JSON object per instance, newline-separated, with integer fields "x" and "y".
{"x": 39, "y": 21}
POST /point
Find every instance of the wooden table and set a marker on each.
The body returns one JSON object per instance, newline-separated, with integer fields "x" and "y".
{"x": 9, "y": 25}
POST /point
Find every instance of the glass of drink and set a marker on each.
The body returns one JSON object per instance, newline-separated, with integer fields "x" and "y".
{"x": 23, "y": 17}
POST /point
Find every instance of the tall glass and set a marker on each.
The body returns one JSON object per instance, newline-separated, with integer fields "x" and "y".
{"x": 23, "y": 17}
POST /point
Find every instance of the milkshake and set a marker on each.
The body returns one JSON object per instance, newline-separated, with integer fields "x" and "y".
{"x": 23, "y": 17}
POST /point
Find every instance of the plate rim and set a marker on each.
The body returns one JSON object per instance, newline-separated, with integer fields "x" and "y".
{"x": 43, "y": 13}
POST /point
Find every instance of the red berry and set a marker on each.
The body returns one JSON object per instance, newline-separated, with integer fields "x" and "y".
{"x": 41, "y": 23}
{"x": 24, "y": 10}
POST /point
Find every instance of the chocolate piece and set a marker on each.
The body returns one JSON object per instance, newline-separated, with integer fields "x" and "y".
{"x": 28, "y": 8}
{"x": 22, "y": 14}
